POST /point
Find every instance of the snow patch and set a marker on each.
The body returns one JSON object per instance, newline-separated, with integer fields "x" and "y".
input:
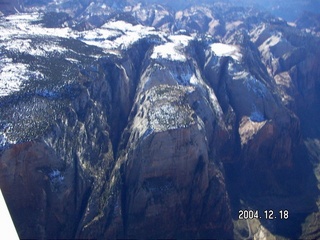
{"x": 168, "y": 51}
{"x": 194, "y": 80}
{"x": 5, "y": 128}
{"x": 292, "y": 24}
{"x": 3, "y": 140}
{"x": 55, "y": 174}
{"x": 112, "y": 35}
{"x": 226, "y": 50}
{"x": 24, "y": 24}
{"x": 272, "y": 41}
{"x": 12, "y": 77}
{"x": 26, "y": 46}
{"x": 233, "y": 25}
{"x": 240, "y": 75}
{"x": 172, "y": 50}
{"x": 23, "y": 16}
{"x": 185, "y": 79}
{"x": 56, "y": 178}
{"x": 72, "y": 60}
{"x": 181, "y": 40}
{"x": 116, "y": 34}
{"x": 215, "y": 103}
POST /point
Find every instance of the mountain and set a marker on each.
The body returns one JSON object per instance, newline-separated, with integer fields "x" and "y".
{"x": 10, "y": 7}
{"x": 147, "y": 120}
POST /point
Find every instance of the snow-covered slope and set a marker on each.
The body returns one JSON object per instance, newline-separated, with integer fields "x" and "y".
{"x": 222, "y": 50}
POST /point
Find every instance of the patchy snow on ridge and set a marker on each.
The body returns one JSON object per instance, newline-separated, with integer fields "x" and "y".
{"x": 271, "y": 41}
{"x": 11, "y": 78}
{"x": 23, "y": 17}
{"x": 24, "y": 24}
{"x": 116, "y": 34}
{"x": 226, "y": 50}
{"x": 13, "y": 75}
{"x": 168, "y": 51}
{"x": 102, "y": 38}
{"x": 112, "y": 35}
{"x": 26, "y": 46}
{"x": 181, "y": 40}
{"x": 172, "y": 50}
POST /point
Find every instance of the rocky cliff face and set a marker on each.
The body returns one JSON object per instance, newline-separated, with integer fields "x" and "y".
{"x": 146, "y": 121}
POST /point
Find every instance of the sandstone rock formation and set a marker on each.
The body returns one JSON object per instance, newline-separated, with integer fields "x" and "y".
{"x": 143, "y": 121}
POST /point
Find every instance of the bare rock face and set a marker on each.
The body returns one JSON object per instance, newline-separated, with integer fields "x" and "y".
{"x": 29, "y": 183}
{"x": 287, "y": 54}
{"x": 170, "y": 174}
{"x": 60, "y": 174}
{"x": 172, "y": 183}
{"x": 47, "y": 175}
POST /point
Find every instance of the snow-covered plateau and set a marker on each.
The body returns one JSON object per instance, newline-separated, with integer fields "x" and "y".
{"x": 20, "y": 31}
{"x": 227, "y": 50}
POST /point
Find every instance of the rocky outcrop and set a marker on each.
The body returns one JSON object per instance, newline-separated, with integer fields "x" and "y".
{"x": 165, "y": 149}
{"x": 169, "y": 168}
{"x": 62, "y": 156}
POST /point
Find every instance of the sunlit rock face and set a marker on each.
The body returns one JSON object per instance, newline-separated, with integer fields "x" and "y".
{"x": 136, "y": 120}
